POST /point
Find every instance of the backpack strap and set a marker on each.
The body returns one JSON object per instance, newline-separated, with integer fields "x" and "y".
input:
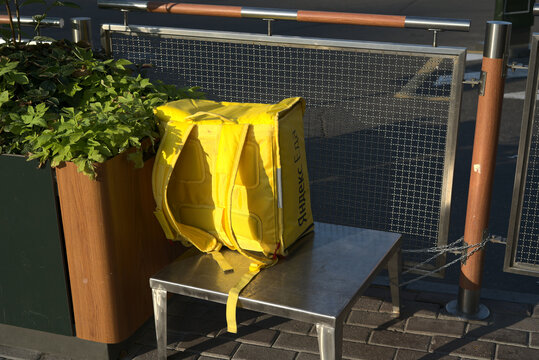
{"x": 233, "y": 162}
{"x": 233, "y": 295}
{"x": 175, "y": 137}
{"x": 229, "y": 164}
{"x": 230, "y": 149}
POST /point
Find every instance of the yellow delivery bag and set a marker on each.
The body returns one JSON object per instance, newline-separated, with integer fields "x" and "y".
{"x": 233, "y": 174}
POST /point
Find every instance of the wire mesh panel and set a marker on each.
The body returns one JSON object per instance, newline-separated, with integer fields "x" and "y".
{"x": 522, "y": 252}
{"x": 380, "y": 124}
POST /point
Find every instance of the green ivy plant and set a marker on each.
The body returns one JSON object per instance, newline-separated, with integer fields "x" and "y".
{"x": 61, "y": 102}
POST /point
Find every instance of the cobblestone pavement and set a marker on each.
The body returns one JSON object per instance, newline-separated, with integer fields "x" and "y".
{"x": 197, "y": 330}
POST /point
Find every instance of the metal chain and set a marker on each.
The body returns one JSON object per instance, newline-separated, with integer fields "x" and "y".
{"x": 441, "y": 250}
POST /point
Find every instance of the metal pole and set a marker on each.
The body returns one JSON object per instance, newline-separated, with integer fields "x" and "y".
{"x": 489, "y": 107}
{"x": 29, "y": 21}
{"x": 81, "y": 30}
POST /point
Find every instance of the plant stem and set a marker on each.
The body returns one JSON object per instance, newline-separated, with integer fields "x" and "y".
{"x": 18, "y": 14}
{"x": 11, "y": 22}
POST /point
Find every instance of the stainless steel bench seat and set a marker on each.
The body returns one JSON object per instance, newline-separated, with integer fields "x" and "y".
{"x": 318, "y": 283}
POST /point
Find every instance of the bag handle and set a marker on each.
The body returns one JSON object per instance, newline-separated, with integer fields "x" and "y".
{"x": 200, "y": 113}
{"x": 175, "y": 137}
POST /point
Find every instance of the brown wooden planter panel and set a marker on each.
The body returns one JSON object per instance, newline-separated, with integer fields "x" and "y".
{"x": 113, "y": 245}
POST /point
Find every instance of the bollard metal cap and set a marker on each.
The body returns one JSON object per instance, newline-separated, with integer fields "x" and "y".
{"x": 78, "y": 22}
{"x": 497, "y": 39}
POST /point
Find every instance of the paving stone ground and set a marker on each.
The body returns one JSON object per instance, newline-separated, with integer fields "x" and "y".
{"x": 197, "y": 331}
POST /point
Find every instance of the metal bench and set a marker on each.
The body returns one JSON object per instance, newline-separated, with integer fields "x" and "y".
{"x": 318, "y": 283}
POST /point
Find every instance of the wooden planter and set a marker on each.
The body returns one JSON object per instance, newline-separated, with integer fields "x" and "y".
{"x": 34, "y": 291}
{"x": 113, "y": 245}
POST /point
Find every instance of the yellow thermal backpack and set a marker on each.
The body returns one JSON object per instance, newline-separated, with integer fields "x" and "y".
{"x": 233, "y": 174}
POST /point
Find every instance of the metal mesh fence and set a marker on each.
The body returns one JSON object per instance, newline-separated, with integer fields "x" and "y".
{"x": 377, "y": 122}
{"x": 522, "y": 253}
{"x": 527, "y": 250}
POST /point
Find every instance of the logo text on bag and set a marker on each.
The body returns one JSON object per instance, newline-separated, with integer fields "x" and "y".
{"x": 301, "y": 181}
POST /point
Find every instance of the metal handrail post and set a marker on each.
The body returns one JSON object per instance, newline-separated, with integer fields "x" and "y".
{"x": 81, "y": 30}
{"x": 489, "y": 108}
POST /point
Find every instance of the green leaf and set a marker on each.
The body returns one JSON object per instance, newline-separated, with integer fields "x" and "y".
{"x": 71, "y": 89}
{"x": 65, "y": 152}
{"x": 95, "y": 155}
{"x": 56, "y": 160}
{"x": 6, "y": 66}
{"x": 48, "y": 86}
{"x": 34, "y": 120}
{"x": 36, "y": 95}
{"x": 63, "y": 127}
{"x": 73, "y": 138}
{"x": 44, "y": 138}
{"x": 85, "y": 166}
{"x": 43, "y": 39}
{"x": 40, "y": 109}
{"x": 4, "y": 97}
{"x": 81, "y": 164}
{"x": 20, "y": 78}
{"x": 105, "y": 151}
{"x": 54, "y": 101}
{"x": 123, "y": 62}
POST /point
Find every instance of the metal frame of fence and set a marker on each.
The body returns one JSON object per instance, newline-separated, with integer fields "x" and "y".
{"x": 455, "y": 55}
{"x": 522, "y": 215}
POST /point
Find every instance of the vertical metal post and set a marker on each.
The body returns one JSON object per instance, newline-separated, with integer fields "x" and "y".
{"x": 330, "y": 341}
{"x": 106, "y": 43}
{"x": 270, "y": 22}
{"x": 160, "y": 316}
{"x": 487, "y": 125}
{"x": 435, "y": 37}
{"x": 126, "y": 17}
{"x": 81, "y": 30}
{"x": 394, "y": 270}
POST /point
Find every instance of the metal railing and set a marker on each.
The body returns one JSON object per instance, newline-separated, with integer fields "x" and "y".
{"x": 285, "y": 14}
{"x": 331, "y": 17}
{"x": 381, "y": 121}
{"x": 30, "y": 21}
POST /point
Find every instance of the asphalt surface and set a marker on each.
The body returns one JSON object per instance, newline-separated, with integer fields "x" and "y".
{"x": 478, "y": 11}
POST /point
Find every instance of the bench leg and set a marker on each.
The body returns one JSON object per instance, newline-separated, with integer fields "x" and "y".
{"x": 160, "y": 315}
{"x": 394, "y": 268}
{"x": 329, "y": 341}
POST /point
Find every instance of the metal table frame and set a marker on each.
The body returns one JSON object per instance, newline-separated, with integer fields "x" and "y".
{"x": 318, "y": 283}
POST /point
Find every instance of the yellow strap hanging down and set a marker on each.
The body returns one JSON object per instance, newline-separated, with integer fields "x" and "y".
{"x": 234, "y": 294}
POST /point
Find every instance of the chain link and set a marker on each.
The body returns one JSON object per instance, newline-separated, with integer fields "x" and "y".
{"x": 442, "y": 250}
